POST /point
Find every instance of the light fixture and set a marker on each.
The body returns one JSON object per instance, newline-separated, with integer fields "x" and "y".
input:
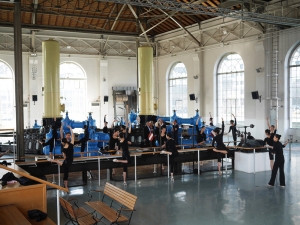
{"x": 129, "y": 50}
{"x": 258, "y": 70}
{"x": 68, "y": 46}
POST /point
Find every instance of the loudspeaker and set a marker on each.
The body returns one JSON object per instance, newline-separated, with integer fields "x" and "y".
{"x": 258, "y": 70}
{"x": 192, "y": 97}
{"x": 105, "y": 98}
{"x": 34, "y": 98}
{"x": 255, "y": 95}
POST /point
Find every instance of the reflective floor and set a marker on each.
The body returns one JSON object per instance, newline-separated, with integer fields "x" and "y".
{"x": 233, "y": 198}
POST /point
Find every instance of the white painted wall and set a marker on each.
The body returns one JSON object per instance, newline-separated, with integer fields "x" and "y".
{"x": 120, "y": 71}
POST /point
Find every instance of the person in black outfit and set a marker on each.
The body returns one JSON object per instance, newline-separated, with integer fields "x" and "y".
{"x": 279, "y": 162}
{"x": 68, "y": 154}
{"x": 269, "y": 142}
{"x": 127, "y": 132}
{"x": 105, "y": 129}
{"x": 233, "y": 129}
{"x": 172, "y": 151}
{"x": 51, "y": 141}
{"x": 175, "y": 131}
{"x": 201, "y": 136}
{"x": 272, "y": 128}
{"x": 123, "y": 147}
{"x": 85, "y": 138}
{"x": 221, "y": 148}
{"x": 211, "y": 122}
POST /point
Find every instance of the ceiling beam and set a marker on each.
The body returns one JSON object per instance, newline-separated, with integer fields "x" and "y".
{"x": 212, "y": 11}
{"x": 71, "y": 29}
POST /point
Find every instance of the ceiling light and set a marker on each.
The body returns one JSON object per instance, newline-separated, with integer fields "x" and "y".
{"x": 129, "y": 50}
{"x": 68, "y": 46}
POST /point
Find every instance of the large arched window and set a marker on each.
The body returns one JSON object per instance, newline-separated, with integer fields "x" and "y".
{"x": 73, "y": 90}
{"x": 7, "y": 112}
{"x": 230, "y": 87}
{"x": 178, "y": 90}
{"x": 294, "y": 89}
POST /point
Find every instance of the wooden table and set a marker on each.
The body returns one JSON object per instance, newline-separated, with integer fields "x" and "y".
{"x": 10, "y": 215}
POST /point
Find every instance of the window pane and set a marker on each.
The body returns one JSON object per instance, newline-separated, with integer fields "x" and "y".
{"x": 178, "y": 89}
{"x": 294, "y": 91}
{"x": 6, "y": 95}
{"x": 230, "y": 87}
{"x": 73, "y": 90}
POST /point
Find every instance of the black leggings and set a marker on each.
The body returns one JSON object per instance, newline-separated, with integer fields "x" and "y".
{"x": 277, "y": 165}
{"x": 66, "y": 167}
{"x": 172, "y": 163}
{"x": 234, "y": 139}
{"x": 50, "y": 142}
{"x": 219, "y": 154}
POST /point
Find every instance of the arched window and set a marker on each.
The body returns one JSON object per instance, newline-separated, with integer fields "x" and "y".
{"x": 73, "y": 90}
{"x": 294, "y": 89}
{"x": 230, "y": 87}
{"x": 178, "y": 90}
{"x": 7, "y": 112}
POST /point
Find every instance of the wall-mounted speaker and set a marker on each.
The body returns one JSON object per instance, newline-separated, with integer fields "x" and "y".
{"x": 34, "y": 98}
{"x": 192, "y": 97}
{"x": 105, "y": 98}
{"x": 255, "y": 95}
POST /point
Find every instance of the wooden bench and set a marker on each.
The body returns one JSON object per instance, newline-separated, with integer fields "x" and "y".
{"x": 119, "y": 201}
{"x": 78, "y": 215}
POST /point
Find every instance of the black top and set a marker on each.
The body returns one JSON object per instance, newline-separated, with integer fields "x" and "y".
{"x": 86, "y": 132}
{"x": 211, "y": 124}
{"x": 219, "y": 138}
{"x": 175, "y": 130}
{"x": 55, "y": 125}
{"x": 125, "y": 152}
{"x": 269, "y": 140}
{"x": 162, "y": 140}
{"x": 170, "y": 147}
{"x": 233, "y": 128}
{"x": 200, "y": 137}
{"x": 105, "y": 130}
{"x": 113, "y": 142}
{"x": 278, "y": 151}
{"x": 69, "y": 152}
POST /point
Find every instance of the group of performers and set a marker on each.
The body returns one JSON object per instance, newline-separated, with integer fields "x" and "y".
{"x": 120, "y": 142}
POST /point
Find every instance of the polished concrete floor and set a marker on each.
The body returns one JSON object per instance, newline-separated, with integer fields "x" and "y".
{"x": 233, "y": 198}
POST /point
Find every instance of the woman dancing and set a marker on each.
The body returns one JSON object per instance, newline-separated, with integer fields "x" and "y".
{"x": 279, "y": 162}
{"x": 172, "y": 151}
{"x": 221, "y": 148}
{"x": 125, "y": 155}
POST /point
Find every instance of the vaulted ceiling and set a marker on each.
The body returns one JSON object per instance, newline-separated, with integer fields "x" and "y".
{"x": 100, "y": 17}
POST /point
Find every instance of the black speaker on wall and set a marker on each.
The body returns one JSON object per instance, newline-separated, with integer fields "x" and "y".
{"x": 34, "y": 98}
{"x": 255, "y": 95}
{"x": 192, "y": 97}
{"x": 105, "y": 98}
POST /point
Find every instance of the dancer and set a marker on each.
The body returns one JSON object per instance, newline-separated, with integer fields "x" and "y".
{"x": 201, "y": 136}
{"x": 172, "y": 151}
{"x": 233, "y": 129}
{"x": 269, "y": 142}
{"x": 51, "y": 141}
{"x": 175, "y": 129}
{"x": 279, "y": 162}
{"x": 68, "y": 155}
{"x": 125, "y": 155}
{"x": 272, "y": 128}
{"x": 85, "y": 138}
{"x": 211, "y": 122}
{"x": 221, "y": 148}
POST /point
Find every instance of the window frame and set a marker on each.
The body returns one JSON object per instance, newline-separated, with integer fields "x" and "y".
{"x": 181, "y": 114}
{"x": 297, "y": 47}
{"x": 240, "y": 118}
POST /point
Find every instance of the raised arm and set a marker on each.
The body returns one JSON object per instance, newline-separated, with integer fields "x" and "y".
{"x": 268, "y": 123}
{"x": 105, "y": 119}
{"x": 129, "y": 127}
{"x": 276, "y": 124}
{"x": 223, "y": 126}
{"x": 72, "y": 135}
{"x": 197, "y": 127}
{"x": 112, "y": 125}
{"x": 210, "y": 115}
{"x": 234, "y": 120}
{"x": 61, "y": 132}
